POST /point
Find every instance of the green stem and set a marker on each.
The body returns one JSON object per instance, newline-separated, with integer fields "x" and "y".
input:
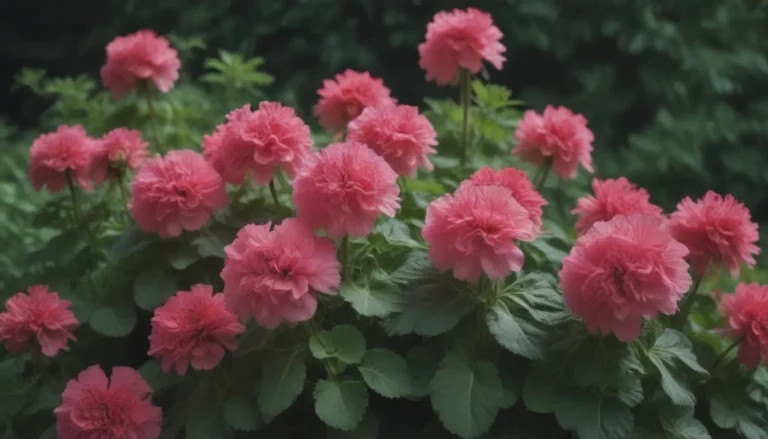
{"x": 541, "y": 176}
{"x": 123, "y": 194}
{"x": 37, "y": 364}
{"x": 465, "y": 85}
{"x": 345, "y": 249}
{"x": 147, "y": 92}
{"x": 723, "y": 354}
{"x": 688, "y": 301}
{"x": 273, "y": 191}
{"x": 77, "y": 212}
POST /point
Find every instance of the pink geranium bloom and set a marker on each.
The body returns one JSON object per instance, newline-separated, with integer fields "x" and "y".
{"x": 93, "y": 407}
{"x": 260, "y": 142}
{"x": 141, "y": 56}
{"x": 718, "y": 231}
{"x": 460, "y": 40}
{"x": 399, "y": 134}
{"x": 40, "y": 317}
{"x": 52, "y": 155}
{"x": 474, "y": 231}
{"x": 746, "y": 312}
{"x": 193, "y": 327}
{"x": 344, "y": 98}
{"x": 622, "y": 271}
{"x": 272, "y": 275}
{"x": 343, "y": 189}
{"x": 116, "y": 151}
{"x": 176, "y": 192}
{"x": 516, "y": 181}
{"x": 613, "y": 197}
{"x": 558, "y": 135}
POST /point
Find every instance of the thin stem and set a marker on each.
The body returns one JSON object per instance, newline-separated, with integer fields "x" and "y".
{"x": 345, "y": 249}
{"x": 687, "y": 304}
{"x": 76, "y": 211}
{"x": 147, "y": 92}
{"x": 37, "y": 361}
{"x": 123, "y": 193}
{"x": 723, "y": 354}
{"x": 541, "y": 176}
{"x": 273, "y": 191}
{"x": 465, "y": 84}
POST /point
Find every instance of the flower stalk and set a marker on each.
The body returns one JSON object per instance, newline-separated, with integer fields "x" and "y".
{"x": 724, "y": 354}
{"x": 76, "y": 210}
{"x": 146, "y": 90}
{"x": 345, "y": 250}
{"x": 465, "y": 94}
{"x": 688, "y": 302}
{"x": 541, "y": 175}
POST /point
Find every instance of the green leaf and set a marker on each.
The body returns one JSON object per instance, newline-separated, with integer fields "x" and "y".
{"x": 515, "y": 333}
{"x": 422, "y": 365}
{"x": 723, "y": 413}
{"x": 12, "y": 388}
{"x": 466, "y": 396}
{"x": 395, "y": 233}
{"x": 512, "y": 382}
{"x": 430, "y": 309}
{"x": 212, "y": 245}
{"x": 540, "y": 391}
{"x": 152, "y": 288}
{"x": 379, "y": 298}
{"x": 49, "y": 433}
{"x": 630, "y": 391}
{"x": 367, "y": 429}
{"x": 133, "y": 239}
{"x": 183, "y": 257}
{"x": 670, "y": 347}
{"x": 341, "y": 404}
{"x": 116, "y": 321}
{"x": 385, "y": 372}
{"x": 154, "y": 375}
{"x": 684, "y": 427}
{"x": 416, "y": 267}
{"x": 204, "y": 420}
{"x": 241, "y": 413}
{"x": 344, "y": 342}
{"x": 593, "y": 417}
{"x": 282, "y": 380}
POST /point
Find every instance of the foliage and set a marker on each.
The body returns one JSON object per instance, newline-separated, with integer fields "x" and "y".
{"x": 402, "y": 351}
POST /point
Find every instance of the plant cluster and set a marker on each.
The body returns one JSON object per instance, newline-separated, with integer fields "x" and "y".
{"x": 395, "y": 277}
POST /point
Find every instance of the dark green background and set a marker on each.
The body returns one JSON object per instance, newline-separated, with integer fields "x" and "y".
{"x": 675, "y": 91}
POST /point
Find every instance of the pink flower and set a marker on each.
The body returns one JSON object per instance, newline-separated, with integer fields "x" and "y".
{"x": 613, "y": 197}
{"x": 621, "y": 271}
{"x": 193, "y": 327}
{"x": 52, "y": 155}
{"x": 516, "y": 181}
{"x": 119, "y": 149}
{"x": 460, "y": 40}
{"x": 747, "y": 314}
{"x": 272, "y": 137}
{"x": 138, "y": 57}
{"x": 344, "y": 98}
{"x": 343, "y": 188}
{"x": 717, "y": 231}
{"x": 474, "y": 231}
{"x": 40, "y": 316}
{"x": 93, "y": 407}
{"x": 175, "y": 193}
{"x": 271, "y": 275}
{"x": 558, "y": 135}
{"x": 399, "y": 134}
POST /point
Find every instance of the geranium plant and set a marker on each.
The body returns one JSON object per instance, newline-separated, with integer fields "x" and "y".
{"x": 220, "y": 272}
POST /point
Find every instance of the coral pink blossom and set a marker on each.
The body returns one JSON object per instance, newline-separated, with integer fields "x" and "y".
{"x": 460, "y": 40}
{"x": 39, "y": 317}
{"x": 53, "y": 155}
{"x": 516, "y": 181}
{"x": 747, "y": 314}
{"x": 344, "y": 98}
{"x": 193, "y": 327}
{"x": 343, "y": 188}
{"x": 117, "y": 150}
{"x": 613, "y": 197}
{"x": 272, "y": 137}
{"x": 94, "y": 407}
{"x": 272, "y": 275}
{"x": 558, "y": 135}
{"x": 621, "y": 271}
{"x": 399, "y": 134}
{"x": 175, "y": 193}
{"x": 141, "y": 56}
{"x": 718, "y": 231}
{"x": 474, "y": 231}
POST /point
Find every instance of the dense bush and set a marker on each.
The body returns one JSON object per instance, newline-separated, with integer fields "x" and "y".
{"x": 402, "y": 349}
